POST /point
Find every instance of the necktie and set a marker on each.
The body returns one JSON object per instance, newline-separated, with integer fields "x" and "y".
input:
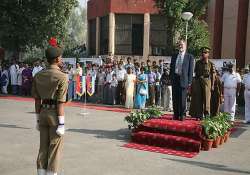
{"x": 179, "y": 65}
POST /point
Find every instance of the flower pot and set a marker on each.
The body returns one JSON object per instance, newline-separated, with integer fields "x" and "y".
{"x": 226, "y": 137}
{"x": 207, "y": 144}
{"x": 216, "y": 142}
{"x": 222, "y": 138}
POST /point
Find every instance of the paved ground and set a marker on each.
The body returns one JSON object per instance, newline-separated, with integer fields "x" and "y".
{"x": 93, "y": 147}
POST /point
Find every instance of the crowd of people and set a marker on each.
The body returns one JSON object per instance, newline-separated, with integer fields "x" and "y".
{"x": 132, "y": 84}
{"x": 135, "y": 84}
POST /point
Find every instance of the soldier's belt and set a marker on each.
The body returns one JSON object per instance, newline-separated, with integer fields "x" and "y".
{"x": 46, "y": 106}
{"x": 49, "y": 104}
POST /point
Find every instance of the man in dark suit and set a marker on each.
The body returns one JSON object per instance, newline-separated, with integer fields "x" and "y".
{"x": 181, "y": 74}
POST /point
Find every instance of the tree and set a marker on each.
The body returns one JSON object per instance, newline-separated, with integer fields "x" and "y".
{"x": 173, "y": 9}
{"x": 76, "y": 33}
{"x": 198, "y": 36}
{"x": 27, "y": 23}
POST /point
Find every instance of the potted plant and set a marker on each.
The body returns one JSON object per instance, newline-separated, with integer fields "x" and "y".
{"x": 210, "y": 131}
{"x": 154, "y": 112}
{"x": 220, "y": 124}
{"x": 225, "y": 119}
{"x": 136, "y": 118}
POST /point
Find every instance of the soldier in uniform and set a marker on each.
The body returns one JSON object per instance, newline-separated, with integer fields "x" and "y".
{"x": 231, "y": 86}
{"x": 216, "y": 96}
{"x": 49, "y": 90}
{"x": 204, "y": 84}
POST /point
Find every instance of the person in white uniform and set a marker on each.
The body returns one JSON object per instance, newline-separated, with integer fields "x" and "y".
{"x": 246, "y": 82}
{"x": 13, "y": 77}
{"x": 231, "y": 84}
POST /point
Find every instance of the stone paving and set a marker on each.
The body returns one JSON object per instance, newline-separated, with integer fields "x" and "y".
{"x": 93, "y": 146}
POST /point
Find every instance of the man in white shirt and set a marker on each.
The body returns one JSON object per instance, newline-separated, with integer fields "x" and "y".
{"x": 37, "y": 68}
{"x": 231, "y": 83}
{"x": 13, "y": 77}
{"x": 19, "y": 78}
{"x": 246, "y": 82}
{"x": 120, "y": 75}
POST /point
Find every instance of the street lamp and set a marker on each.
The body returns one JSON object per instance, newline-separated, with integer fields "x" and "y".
{"x": 186, "y": 16}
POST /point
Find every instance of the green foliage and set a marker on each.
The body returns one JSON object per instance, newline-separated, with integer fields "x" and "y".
{"x": 210, "y": 128}
{"x": 173, "y": 9}
{"x": 76, "y": 32}
{"x": 154, "y": 112}
{"x": 26, "y": 24}
{"x": 136, "y": 118}
{"x": 217, "y": 126}
{"x": 33, "y": 54}
{"x": 198, "y": 36}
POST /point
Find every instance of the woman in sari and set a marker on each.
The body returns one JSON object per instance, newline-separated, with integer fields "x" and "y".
{"x": 130, "y": 86}
{"x": 142, "y": 90}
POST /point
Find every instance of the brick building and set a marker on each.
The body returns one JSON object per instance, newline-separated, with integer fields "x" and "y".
{"x": 134, "y": 27}
{"x": 229, "y": 25}
{"x": 125, "y": 27}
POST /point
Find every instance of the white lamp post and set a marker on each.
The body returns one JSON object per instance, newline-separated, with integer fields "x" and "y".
{"x": 186, "y": 16}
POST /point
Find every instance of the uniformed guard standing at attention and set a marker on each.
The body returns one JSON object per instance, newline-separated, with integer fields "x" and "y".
{"x": 49, "y": 90}
{"x": 231, "y": 86}
{"x": 204, "y": 79}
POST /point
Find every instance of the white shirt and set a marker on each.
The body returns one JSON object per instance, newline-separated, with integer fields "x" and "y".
{"x": 19, "y": 76}
{"x": 120, "y": 74}
{"x": 36, "y": 70}
{"x": 246, "y": 81}
{"x": 231, "y": 80}
{"x": 109, "y": 77}
{"x": 114, "y": 83}
{"x": 13, "y": 74}
{"x": 179, "y": 60}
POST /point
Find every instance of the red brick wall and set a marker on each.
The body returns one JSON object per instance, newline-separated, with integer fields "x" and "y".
{"x": 133, "y": 6}
{"x": 103, "y": 7}
{"x": 98, "y": 8}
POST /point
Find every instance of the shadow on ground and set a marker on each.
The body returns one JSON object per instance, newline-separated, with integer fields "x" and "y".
{"x": 210, "y": 166}
{"x": 121, "y": 134}
{"x": 12, "y": 126}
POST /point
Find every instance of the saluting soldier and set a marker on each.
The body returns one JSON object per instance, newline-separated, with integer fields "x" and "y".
{"x": 49, "y": 90}
{"x": 204, "y": 84}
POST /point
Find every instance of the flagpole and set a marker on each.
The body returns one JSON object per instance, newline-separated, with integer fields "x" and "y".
{"x": 85, "y": 101}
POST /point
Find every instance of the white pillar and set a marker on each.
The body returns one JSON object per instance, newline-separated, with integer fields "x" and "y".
{"x": 97, "y": 36}
{"x": 112, "y": 33}
{"x": 146, "y": 36}
{"x": 229, "y": 34}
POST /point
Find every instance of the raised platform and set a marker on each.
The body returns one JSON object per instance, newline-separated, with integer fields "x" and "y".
{"x": 168, "y": 136}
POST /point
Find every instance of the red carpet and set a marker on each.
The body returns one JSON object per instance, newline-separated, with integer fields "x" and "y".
{"x": 73, "y": 104}
{"x": 168, "y": 136}
{"x": 160, "y": 150}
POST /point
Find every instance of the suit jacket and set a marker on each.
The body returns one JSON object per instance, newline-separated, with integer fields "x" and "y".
{"x": 187, "y": 70}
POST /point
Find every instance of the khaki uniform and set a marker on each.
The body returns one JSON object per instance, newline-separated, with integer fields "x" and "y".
{"x": 216, "y": 99}
{"x": 204, "y": 79}
{"x": 49, "y": 85}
